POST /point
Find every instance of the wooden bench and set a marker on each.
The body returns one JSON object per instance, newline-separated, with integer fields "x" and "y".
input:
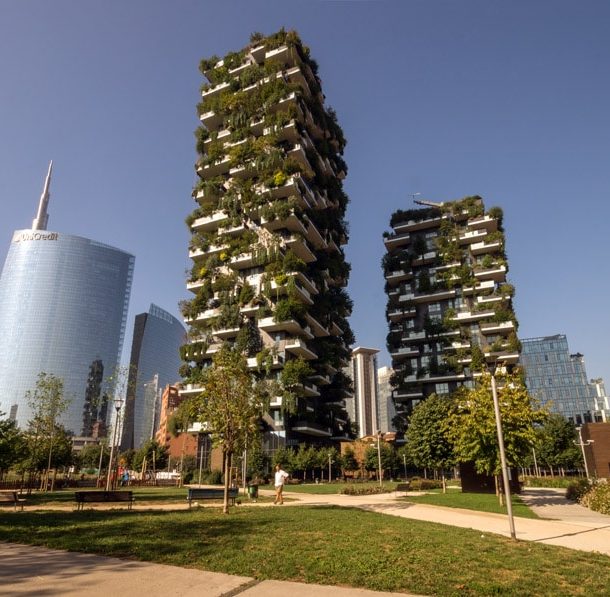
{"x": 89, "y": 497}
{"x": 11, "y": 497}
{"x": 210, "y": 493}
{"x": 403, "y": 487}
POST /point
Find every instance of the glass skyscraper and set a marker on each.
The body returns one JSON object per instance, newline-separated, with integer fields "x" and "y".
{"x": 558, "y": 378}
{"x": 154, "y": 363}
{"x": 63, "y": 309}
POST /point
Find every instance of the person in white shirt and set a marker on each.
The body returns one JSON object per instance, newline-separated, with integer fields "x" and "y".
{"x": 280, "y": 478}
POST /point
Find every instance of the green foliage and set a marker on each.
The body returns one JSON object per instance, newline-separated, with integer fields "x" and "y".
{"x": 598, "y": 498}
{"x": 154, "y": 454}
{"x": 427, "y": 439}
{"x": 89, "y": 456}
{"x": 348, "y": 461}
{"x": 388, "y": 457}
{"x": 577, "y": 489}
{"x": 12, "y": 444}
{"x": 295, "y": 372}
{"x": 555, "y": 443}
{"x": 363, "y": 490}
{"x": 472, "y": 426}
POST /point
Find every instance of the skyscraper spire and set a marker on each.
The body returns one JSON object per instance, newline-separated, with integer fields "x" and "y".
{"x": 42, "y": 217}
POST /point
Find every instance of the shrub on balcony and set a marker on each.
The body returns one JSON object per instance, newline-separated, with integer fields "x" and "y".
{"x": 295, "y": 372}
{"x": 287, "y": 309}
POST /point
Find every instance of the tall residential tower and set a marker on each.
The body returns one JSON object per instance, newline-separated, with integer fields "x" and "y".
{"x": 449, "y": 305}
{"x": 268, "y": 269}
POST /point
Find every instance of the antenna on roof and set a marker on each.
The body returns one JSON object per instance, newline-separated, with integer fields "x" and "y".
{"x": 42, "y": 217}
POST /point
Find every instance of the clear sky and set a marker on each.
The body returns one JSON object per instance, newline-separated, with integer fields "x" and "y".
{"x": 509, "y": 100}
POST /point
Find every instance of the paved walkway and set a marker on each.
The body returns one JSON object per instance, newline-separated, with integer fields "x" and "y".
{"x": 34, "y": 571}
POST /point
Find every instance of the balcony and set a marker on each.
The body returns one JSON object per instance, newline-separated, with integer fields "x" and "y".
{"x": 190, "y": 390}
{"x": 211, "y": 120}
{"x": 196, "y": 254}
{"x": 404, "y": 353}
{"x": 413, "y": 225}
{"x": 312, "y": 429}
{"x": 226, "y": 333}
{"x": 316, "y": 327}
{"x": 298, "y": 153}
{"x": 398, "y": 314}
{"x": 276, "y": 363}
{"x": 288, "y": 132}
{"x": 481, "y": 248}
{"x": 207, "y": 314}
{"x": 427, "y": 257}
{"x": 398, "y": 276}
{"x": 497, "y": 273}
{"x": 299, "y": 347}
{"x": 291, "y": 223}
{"x": 503, "y": 327}
{"x": 282, "y": 55}
{"x": 489, "y": 299}
{"x": 469, "y": 316}
{"x": 209, "y": 223}
{"x": 268, "y": 324}
{"x": 407, "y": 395}
{"x": 306, "y": 282}
{"x": 243, "y": 261}
{"x": 309, "y": 390}
{"x": 484, "y": 222}
{"x": 439, "y": 295}
{"x": 215, "y": 168}
{"x": 320, "y": 380}
{"x": 473, "y": 236}
{"x": 483, "y": 286}
{"x": 216, "y": 90}
{"x": 303, "y": 294}
{"x": 300, "y": 248}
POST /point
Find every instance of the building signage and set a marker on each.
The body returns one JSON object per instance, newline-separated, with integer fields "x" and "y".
{"x": 34, "y": 235}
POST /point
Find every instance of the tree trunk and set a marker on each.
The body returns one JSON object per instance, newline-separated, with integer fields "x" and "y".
{"x": 182, "y": 452}
{"x": 444, "y": 481}
{"x": 499, "y": 491}
{"x": 227, "y": 463}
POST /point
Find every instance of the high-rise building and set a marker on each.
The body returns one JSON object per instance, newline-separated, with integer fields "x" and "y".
{"x": 387, "y": 410}
{"x": 449, "y": 305}
{"x": 268, "y": 268}
{"x": 63, "y": 306}
{"x": 365, "y": 409}
{"x": 602, "y": 401}
{"x": 154, "y": 363}
{"x": 558, "y": 378}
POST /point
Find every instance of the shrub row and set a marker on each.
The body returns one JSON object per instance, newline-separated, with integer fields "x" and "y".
{"x": 548, "y": 481}
{"x": 363, "y": 490}
{"x": 598, "y": 498}
{"x": 418, "y": 484}
{"x": 577, "y": 489}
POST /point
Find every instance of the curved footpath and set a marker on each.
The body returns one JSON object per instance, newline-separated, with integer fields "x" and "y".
{"x": 28, "y": 570}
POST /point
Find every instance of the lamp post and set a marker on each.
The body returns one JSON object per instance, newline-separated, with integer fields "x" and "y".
{"x": 379, "y": 457}
{"x": 505, "y": 479}
{"x": 118, "y": 403}
{"x": 582, "y": 447}
{"x": 404, "y": 462}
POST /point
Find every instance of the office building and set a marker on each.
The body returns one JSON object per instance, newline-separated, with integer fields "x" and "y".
{"x": 449, "y": 305}
{"x": 387, "y": 411}
{"x": 63, "y": 306}
{"x": 365, "y": 409}
{"x": 558, "y": 378}
{"x": 154, "y": 363}
{"x": 268, "y": 269}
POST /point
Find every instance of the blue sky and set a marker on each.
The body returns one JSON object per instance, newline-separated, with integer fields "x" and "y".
{"x": 509, "y": 100}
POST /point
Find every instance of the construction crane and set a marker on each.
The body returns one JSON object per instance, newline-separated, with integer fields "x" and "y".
{"x": 428, "y": 203}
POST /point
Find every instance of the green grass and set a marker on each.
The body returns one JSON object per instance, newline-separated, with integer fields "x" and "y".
{"x": 338, "y": 546}
{"x": 483, "y": 502}
{"x": 142, "y": 495}
{"x": 331, "y": 488}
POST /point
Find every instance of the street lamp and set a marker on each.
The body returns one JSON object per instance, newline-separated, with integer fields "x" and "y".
{"x": 379, "y": 457}
{"x": 404, "y": 462}
{"x": 505, "y": 479}
{"x": 118, "y": 403}
{"x": 582, "y": 447}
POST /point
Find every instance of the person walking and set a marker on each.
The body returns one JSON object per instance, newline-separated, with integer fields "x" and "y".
{"x": 280, "y": 478}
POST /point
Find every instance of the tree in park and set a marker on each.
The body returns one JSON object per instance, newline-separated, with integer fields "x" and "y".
{"x": 427, "y": 439}
{"x": 388, "y": 457}
{"x": 12, "y": 444}
{"x": 472, "y": 424}
{"x": 555, "y": 443}
{"x": 48, "y": 403}
{"x": 152, "y": 456}
{"x": 89, "y": 456}
{"x": 229, "y": 405}
{"x": 348, "y": 461}
{"x": 178, "y": 425}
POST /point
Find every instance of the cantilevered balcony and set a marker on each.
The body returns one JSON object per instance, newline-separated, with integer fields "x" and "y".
{"x": 316, "y": 327}
{"x": 302, "y": 292}
{"x": 397, "y": 240}
{"x": 211, "y": 120}
{"x": 413, "y": 225}
{"x": 397, "y": 276}
{"x": 226, "y": 333}
{"x": 197, "y": 253}
{"x": 243, "y": 261}
{"x": 490, "y": 299}
{"x": 482, "y": 247}
{"x": 209, "y": 223}
{"x": 299, "y": 347}
{"x": 497, "y": 273}
{"x": 472, "y": 236}
{"x": 292, "y": 223}
{"x": 215, "y": 168}
{"x": 300, "y": 248}
{"x": 309, "y": 390}
{"x": 503, "y": 327}
{"x": 485, "y": 222}
{"x": 215, "y": 90}
{"x": 439, "y": 295}
{"x": 269, "y": 325}
{"x": 483, "y": 286}
{"x": 190, "y": 389}
{"x": 298, "y": 153}
{"x": 399, "y": 314}
{"x": 470, "y": 316}
{"x": 312, "y": 429}
{"x": 405, "y": 352}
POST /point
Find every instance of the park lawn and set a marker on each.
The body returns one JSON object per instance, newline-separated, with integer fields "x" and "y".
{"x": 331, "y": 488}
{"x": 326, "y": 545}
{"x": 143, "y": 495}
{"x": 483, "y": 502}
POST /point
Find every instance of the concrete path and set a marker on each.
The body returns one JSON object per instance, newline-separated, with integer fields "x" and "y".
{"x": 39, "y": 572}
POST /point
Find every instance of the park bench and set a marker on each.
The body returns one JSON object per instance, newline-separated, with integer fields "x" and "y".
{"x": 210, "y": 493}
{"x": 11, "y": 497}
{"x": 89, "y": 497}
{"x": 403, "y": 486}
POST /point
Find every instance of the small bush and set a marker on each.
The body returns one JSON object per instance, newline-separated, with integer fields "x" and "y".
{"x": 213, "y": 477}
{"x": 560, "y": 482}
{"x": 577, "y": 489}
{"x": 598, "y": 498}
{"x": 418, "y": 484}
{"x": 366, "y": 490}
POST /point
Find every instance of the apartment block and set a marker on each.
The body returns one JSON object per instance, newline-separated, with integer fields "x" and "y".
{"x": 449, "y": 306}
{"x": 269, "y": 272}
